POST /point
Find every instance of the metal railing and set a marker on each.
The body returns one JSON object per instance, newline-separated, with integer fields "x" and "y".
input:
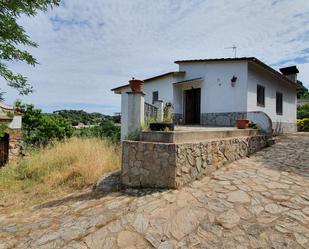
{"x": 150, "y": 111}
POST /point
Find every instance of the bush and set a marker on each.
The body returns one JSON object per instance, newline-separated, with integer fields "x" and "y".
{"x": 106, "y": 129}
{"x": 303, "y": 124}
{"x": 39, "y": 129}
{"x": 303, "y": 111}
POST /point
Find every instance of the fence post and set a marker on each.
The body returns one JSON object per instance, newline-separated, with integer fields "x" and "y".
{"x": 132, "y": 112}
{"x": 159, "y": 105}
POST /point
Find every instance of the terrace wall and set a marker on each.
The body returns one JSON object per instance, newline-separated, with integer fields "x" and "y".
{"x": 171, "y": 165}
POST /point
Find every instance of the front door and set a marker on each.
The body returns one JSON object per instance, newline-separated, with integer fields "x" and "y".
{"x": 192, "y": 106}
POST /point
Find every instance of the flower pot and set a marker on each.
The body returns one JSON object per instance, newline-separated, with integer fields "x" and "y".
{"x": 162, "y": 126}
{"x": 136, "y": 85}
{"x": 242, "y": 123}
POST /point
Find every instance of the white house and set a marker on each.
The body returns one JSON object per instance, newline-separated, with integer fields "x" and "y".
{"x": 215, "y": 92}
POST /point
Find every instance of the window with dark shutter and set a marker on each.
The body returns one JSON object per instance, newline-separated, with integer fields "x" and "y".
{"x": 155, "y": 96}
{"x": 260, "y": 95}
{"x": 279, "y": 103}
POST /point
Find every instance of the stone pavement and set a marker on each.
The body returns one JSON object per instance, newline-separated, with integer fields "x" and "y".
{"x": 256, "y": 202}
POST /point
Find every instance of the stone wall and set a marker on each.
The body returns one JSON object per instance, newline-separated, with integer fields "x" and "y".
{"x": 15, "y": 145}
{"x": 171, "y": 165}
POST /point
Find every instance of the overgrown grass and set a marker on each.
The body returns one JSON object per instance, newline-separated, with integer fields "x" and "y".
{"x": 58, "y": 169}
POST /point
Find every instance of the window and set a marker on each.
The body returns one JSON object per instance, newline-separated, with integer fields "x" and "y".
{"x": 279, "y": 103}
{"x": 260, "y": 95}
{"x": 155, "y": 96}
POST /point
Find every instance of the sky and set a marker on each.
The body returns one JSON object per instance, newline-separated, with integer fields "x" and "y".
{"x": 88, "y": 47}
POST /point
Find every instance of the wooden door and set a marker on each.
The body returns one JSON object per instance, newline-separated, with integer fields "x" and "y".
{"x": 193, "y": 106}
{"x": 4, "y": 149}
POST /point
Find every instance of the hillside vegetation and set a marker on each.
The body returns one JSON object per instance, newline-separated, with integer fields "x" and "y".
{"x": 80, "y": 116}
{"x": 61, "y": 167}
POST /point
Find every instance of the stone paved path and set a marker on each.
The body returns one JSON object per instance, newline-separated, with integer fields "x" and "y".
{"x": 257, "y": 202}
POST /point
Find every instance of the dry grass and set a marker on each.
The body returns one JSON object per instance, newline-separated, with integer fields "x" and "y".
{"x": 58, "y": 169}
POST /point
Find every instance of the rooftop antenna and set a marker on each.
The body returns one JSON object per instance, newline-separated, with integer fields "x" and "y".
{"x": 234, "y": 49}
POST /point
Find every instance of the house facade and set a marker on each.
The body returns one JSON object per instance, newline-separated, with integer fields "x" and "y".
{"x": 215, "y": 92}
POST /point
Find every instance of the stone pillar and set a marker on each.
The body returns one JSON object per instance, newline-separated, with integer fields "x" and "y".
{"x": 15, "y": 138}
{"x": 160, "y": 106}
{"x": 132, "y": 113}
{"x": 15, "y": 147}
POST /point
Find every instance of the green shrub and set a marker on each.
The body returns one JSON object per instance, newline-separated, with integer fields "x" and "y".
{"x": 106, "y": 129}
{"x": 39, "y": 129}
{"x": 303, "y": 124}
{"x": 303, "y": 111}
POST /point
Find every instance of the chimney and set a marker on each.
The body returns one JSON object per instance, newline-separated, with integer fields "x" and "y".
{"x": 290, "y": 72}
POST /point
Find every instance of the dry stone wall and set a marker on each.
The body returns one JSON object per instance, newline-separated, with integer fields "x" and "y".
{"x": 15, "y": 146}
{"x": 171, "y": 165}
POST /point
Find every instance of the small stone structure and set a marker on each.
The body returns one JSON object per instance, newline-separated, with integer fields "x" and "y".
{"x": 15, "y": 145}
{"x": 171, "y": 165}
{"x": 11, "y": 144}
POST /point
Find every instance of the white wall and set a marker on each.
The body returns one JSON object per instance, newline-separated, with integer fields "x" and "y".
{"x": 164, "y": 85}
{"x": 217, "y": 94}
{"x": 124, "y": 114}
{"x": 272, "y": 84}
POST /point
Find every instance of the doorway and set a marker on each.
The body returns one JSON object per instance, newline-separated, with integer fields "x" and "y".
{"x": 4, "y": 149}
{"x": 192, "y": 106}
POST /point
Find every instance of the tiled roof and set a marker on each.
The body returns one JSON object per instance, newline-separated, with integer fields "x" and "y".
{"x": 6, "y": 107}
{"x": 5, "y": 118}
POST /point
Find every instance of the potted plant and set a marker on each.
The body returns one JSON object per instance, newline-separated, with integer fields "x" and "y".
{"x": 253, "y": 125}
{"x": 136, "y": 85}
{"x": 167, "y": 124}
{"x": 242, "y": 123}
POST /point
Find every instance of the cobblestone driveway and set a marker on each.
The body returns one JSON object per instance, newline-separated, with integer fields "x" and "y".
{"x": 257, "y": 202}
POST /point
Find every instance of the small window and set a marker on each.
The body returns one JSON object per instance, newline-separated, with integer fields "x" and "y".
{"x": 155, "y": 96}
{"x": 260, "y": 95}
{"x": 279, "y": 103}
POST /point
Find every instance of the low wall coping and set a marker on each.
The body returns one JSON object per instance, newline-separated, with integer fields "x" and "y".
{"x": 194, "y": 135}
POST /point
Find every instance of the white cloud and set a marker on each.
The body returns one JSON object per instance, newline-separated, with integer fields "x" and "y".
{"x": 88, "y": 47}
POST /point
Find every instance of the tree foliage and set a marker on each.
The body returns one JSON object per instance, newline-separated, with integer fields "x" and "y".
{"x": 39, "y": 129}
{"x": 302, "y": 93}
{"x": 80, "y": 116}
{"x": 106, "y": 129}
{"x": 303, "y": 111}
{"x": 13, "y": 37}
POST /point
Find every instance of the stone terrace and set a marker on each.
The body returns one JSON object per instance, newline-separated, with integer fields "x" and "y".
{"x": 257, "y": 202}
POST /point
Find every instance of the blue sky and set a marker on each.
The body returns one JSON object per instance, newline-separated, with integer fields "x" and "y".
{"x": 88, "y": 47}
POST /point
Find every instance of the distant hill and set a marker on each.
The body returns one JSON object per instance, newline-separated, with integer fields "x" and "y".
{"x": 79, "y": 116}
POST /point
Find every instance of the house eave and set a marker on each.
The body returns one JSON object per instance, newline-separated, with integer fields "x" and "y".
{"x": 194, "y": 80}
{"x": 252, "y": 60}
{"x": 117, "y": 90}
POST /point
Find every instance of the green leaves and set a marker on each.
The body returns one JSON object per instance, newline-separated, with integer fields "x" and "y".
{"x": 39, "y": 129}
{"x": 303, "y": 111}
{"x": 13, "y": 36}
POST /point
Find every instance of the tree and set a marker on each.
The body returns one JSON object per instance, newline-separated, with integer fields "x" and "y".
{"x": 302, "y": 93}
{"x": 39, "y": 129}
{"x": 13, "y": 37}
{"x": 303, "y": 111}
